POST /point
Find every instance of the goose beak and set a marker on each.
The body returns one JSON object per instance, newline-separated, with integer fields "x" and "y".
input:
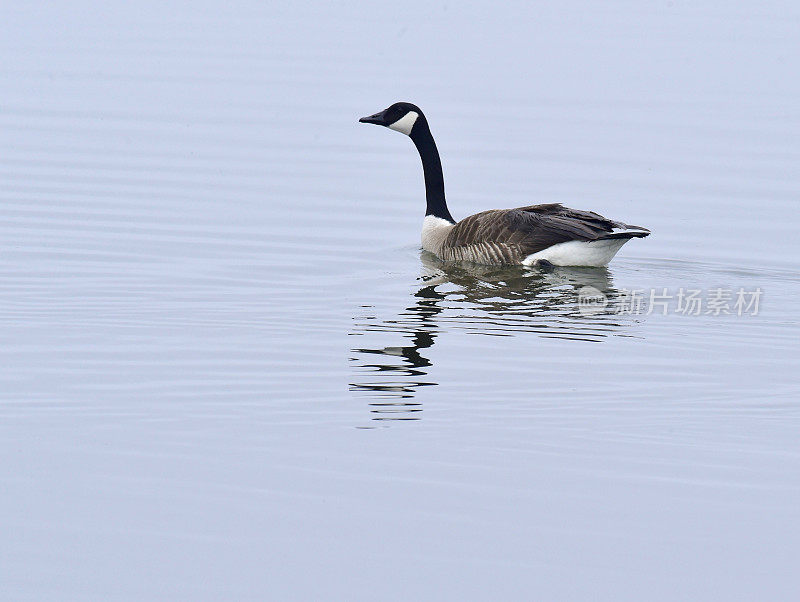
{"x": 377, "y": 119}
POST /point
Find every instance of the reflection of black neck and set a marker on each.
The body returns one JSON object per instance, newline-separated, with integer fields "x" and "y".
{"x": 401, "y": 381}
{"x": 432, "y": 168}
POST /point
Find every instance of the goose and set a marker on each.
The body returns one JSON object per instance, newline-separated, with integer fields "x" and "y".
{"x": 535, "y": 235}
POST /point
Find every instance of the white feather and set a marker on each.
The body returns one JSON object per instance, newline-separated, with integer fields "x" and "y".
{"x": 405, "y": 123}
{"x": 594, "y": 253}
{"x": 434, "y": 232}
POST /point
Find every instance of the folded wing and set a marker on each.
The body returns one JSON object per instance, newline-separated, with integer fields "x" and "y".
{"x": 510, "y": 235}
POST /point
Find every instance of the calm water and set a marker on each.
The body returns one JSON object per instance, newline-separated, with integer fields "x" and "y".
{"x": 229, "y": 372}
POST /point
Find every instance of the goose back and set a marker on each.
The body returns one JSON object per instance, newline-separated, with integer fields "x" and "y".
{"x": 508, "y": 236}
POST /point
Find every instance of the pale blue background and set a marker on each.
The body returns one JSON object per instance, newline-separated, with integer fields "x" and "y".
{"x": 211, "y": 310}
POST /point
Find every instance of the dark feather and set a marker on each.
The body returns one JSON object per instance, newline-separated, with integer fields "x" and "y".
{"x": 510, "y": 235}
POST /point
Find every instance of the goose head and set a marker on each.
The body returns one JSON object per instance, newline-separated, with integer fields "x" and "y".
{"x": 400, "y": 117}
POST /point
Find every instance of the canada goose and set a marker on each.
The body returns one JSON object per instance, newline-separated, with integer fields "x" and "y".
{"x": 534, "y": 235}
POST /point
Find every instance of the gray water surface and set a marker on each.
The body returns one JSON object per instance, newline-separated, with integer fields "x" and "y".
{"x": 229, "y": 372}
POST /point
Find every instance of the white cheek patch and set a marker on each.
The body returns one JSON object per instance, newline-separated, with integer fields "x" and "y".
{"x": 405, "y": 123}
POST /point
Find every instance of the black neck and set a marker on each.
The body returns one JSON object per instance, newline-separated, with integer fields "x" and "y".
{"x": 432, "y": 168}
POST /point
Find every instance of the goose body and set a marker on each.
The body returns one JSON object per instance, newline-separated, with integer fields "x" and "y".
{"x": 535, "y": 234}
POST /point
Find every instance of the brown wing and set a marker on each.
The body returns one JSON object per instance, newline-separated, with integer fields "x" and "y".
{"x": 510, "y": 235}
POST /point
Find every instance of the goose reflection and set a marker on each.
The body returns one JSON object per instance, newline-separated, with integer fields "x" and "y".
{"x": 393, "y": 389}
{"x": 483, "y": 300}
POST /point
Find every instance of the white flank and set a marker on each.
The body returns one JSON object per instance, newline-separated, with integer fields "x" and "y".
{"x": 405, "y": 123}
{"x": 434, "y": 231}
{"x": 595, "y": 253}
